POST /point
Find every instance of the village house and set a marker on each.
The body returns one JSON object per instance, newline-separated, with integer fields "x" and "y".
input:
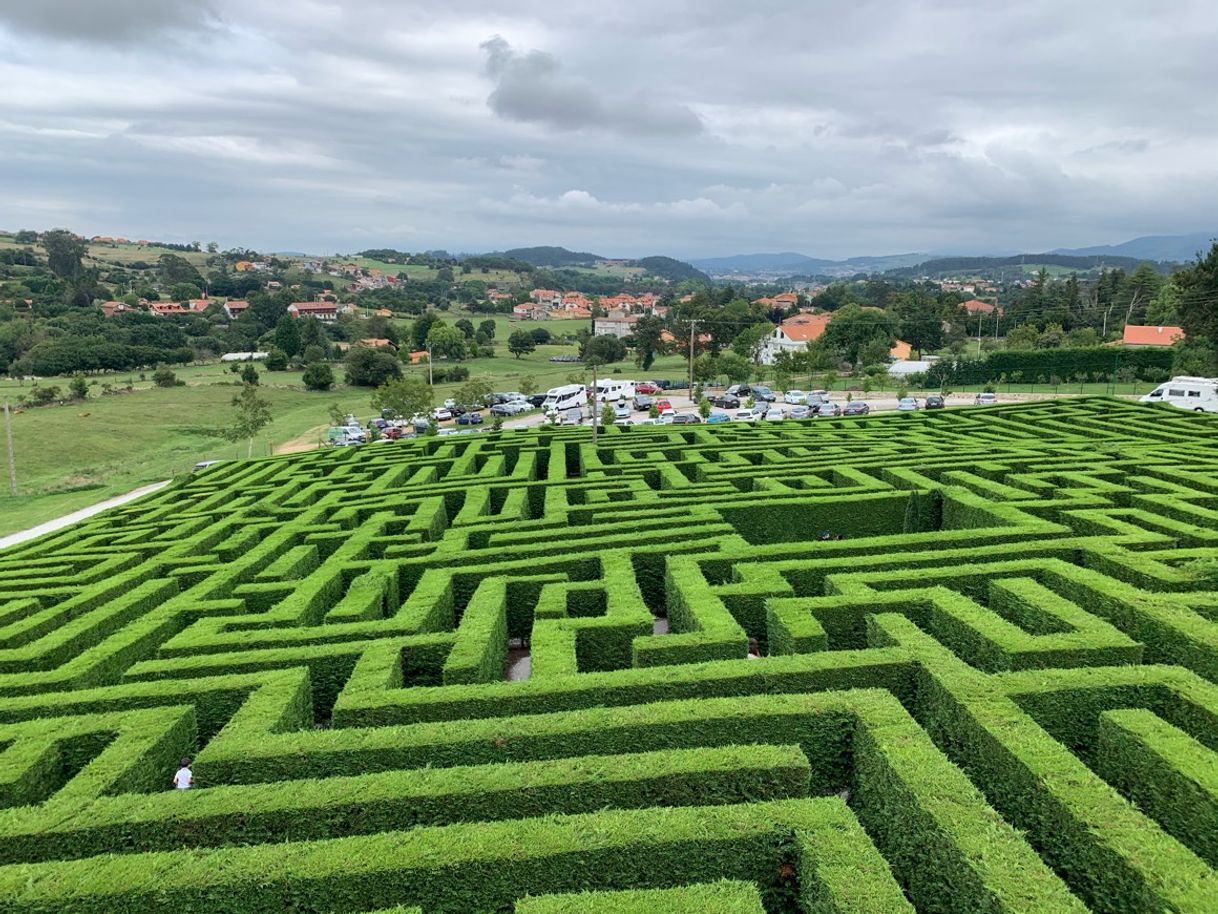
{"x": 1141, "y": 337}
{"x": 618, "y": 324}
{"x": 235, "y": 307}
{"x": 793, "y": 335}
{"x": 325, "y": 311}
{"x": 163, "y": 308}
{"x": 111, "y": 308}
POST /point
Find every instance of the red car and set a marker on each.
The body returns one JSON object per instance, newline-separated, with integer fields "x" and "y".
{"x": 662, "y": 405}
{"x": 393, "y": 433}
{"x": 646, "y": 388}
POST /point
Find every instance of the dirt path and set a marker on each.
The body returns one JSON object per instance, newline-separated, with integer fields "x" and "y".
{"x": 306, "y": 442}
{"x": 58, "y": 523}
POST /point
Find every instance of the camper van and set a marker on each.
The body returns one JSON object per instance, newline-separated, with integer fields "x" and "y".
{"x": 610, "y": 390}
{"x": 566, "y": 397}
{"x": 1198, "y": 394}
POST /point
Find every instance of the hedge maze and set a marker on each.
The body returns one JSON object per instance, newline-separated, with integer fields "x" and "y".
{"x": 997, "y": 691}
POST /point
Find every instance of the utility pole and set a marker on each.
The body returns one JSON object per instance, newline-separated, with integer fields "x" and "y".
{"x": 8, "y": 439}
{"x": 430, "y": 382}
{"x": 693, "y": 335}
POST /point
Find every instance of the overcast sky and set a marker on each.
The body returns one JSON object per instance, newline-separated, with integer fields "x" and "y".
{"x": 627, "y": 128}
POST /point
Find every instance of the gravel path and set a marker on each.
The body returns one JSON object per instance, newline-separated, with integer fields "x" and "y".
{"x": 60, "y": 522}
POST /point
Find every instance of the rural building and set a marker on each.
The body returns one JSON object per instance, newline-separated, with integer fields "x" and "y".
{"x": 111, "y": 308}
{"x": 619, "y": 325}
{"x": 163, "y": 308}
{"x": 975, "y": 306}
{"x": 1150, "y": 336}
{"x": 234, "y": 308}
{"x": 325, "y": 311}
{"x": 793, "y": 335}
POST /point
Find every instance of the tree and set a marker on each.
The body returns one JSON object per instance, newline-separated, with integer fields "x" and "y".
{"x": 1022, "y": 337}
{"x": 276, "y": 359}
{"x": 474, "y": 393}
{"x": 466, "y": 326}
{"x": 253, "y": 414}
{"x": 852, "y": 327}
{"x": 541, "y": 335}
{"x": 1198, "y": 300}
{"x": 249, "y": 374}
{"x": 920, "y": 323}
{"x": 403, "y": 397}
{"x": 79, "y": 387}
{"x": 287, "y": 335}
{"x": 312, "y": 333}
{"x": 521, "y": 343}
{"x": 748, "y": 341}
{"x": 184, "y": 291}
{"x": 313, "y": 354}
{"x": 446, "y": 342}
{"x": 608, "y": 415}
{"x": 527, "y": 385}
{"x": 734, "y": 367}
{"x": 648, "y": 337}
{"x": 64, "y": 252}
{"x": 607, "y": 348}
{"x": 488, "y": 327}
{"x": 318, "y": 376}
{"x": 367, "y": 367}
{"x": 174, "y": 269}
{"x": 421, "y": 328}
{"x": 164, "y": 377}
{"x": 444, "y": 274}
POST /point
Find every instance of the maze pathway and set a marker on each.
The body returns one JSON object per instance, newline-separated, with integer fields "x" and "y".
{"x": 963, "y": 661}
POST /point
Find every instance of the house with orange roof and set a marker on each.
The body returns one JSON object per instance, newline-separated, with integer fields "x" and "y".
{"x": 377, "y": 343}
{"x": 111, "y": 308}
{"x": 900, "y": 350}
{"x": 198, "y": 305}
{"x": 163, "y": 308}
{"x": 1138, "y": 337}
{"x": 235, "y": 307}
{"x": 577, "y": 313}
{"x": 325, "y": 311}
{"x": 793, "y": 335}
{"x": 546, "y": 297}
{"x": 975, "y": 306}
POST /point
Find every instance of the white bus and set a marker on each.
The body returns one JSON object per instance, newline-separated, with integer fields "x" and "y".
{"x": 566, "y": 397}
{"x": 1198, "y": 394}
{"x": 609, "y": 390}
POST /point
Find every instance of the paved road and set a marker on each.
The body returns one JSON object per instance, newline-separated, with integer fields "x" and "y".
{"x": 60, "y": 522}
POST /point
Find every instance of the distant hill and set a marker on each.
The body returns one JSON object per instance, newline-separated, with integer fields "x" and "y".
{"x": 670, "y": 269}
{"x": 1174, "y": 248}
{"x": 791, "y": 264}
{"x": 552, "y": 257}
{"x": 975, "y": 265}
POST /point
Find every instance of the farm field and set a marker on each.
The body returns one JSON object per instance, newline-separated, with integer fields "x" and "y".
{"x": 954, "y": 661}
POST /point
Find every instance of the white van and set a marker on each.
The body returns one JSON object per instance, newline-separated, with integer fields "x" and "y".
{"x": 568, "y": 396}
{"x": 610, "y": 390}
{"x": 1197, "y": 394}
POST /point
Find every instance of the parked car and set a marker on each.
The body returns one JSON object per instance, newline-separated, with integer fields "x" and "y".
{"x": 536, "y": 400}
{"x": 856, "y": 408}
{"x": 802, "y": 412}
{"x": 642, "y": 402}
{"x": 442, "y": 414}
{"x": 828, "y": 410}
{"x": 686, "y": 419}
{"x": 725, "y": 401}
{"x": 203, "y": 465}
{"x": 646, "y": 388}
{"x": 621, "y": 411}
{"x": 907, "y": 404}
{"x": 504, "y": 409}
{"x": 764, "y": 394}
{"x": 716, "y": 417}
{"x": 747, "y": 415}
{"x": 934, "y": 401}
{"x": 742, "y": 391}
{"x": 470, "y": 419}
{"x": 662, "y": 405}
{"x": 667, "y": 412}
{"x": 393, "y": 433}
{"x": 795, "y": 397}
{"x": 626, "y": 421}
{"x": 450, "y": 403}
{"x": 986, "y": 399}
{"x": 775, "y": 414}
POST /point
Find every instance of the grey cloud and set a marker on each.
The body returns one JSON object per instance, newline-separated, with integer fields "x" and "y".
{"x": 111, "y": 21}
{"x": 531, "y": 87}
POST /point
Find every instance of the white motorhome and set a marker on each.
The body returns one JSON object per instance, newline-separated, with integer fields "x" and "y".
{"x": 1198, "y": 394}
{"x": 609, "y": 390}
{"x": 568, "y": 396}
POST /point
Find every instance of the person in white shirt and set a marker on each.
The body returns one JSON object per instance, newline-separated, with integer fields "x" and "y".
{"x": 184, "y": 779}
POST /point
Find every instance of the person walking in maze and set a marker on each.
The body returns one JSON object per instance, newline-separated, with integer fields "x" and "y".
{"x": 184, "y": 779}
